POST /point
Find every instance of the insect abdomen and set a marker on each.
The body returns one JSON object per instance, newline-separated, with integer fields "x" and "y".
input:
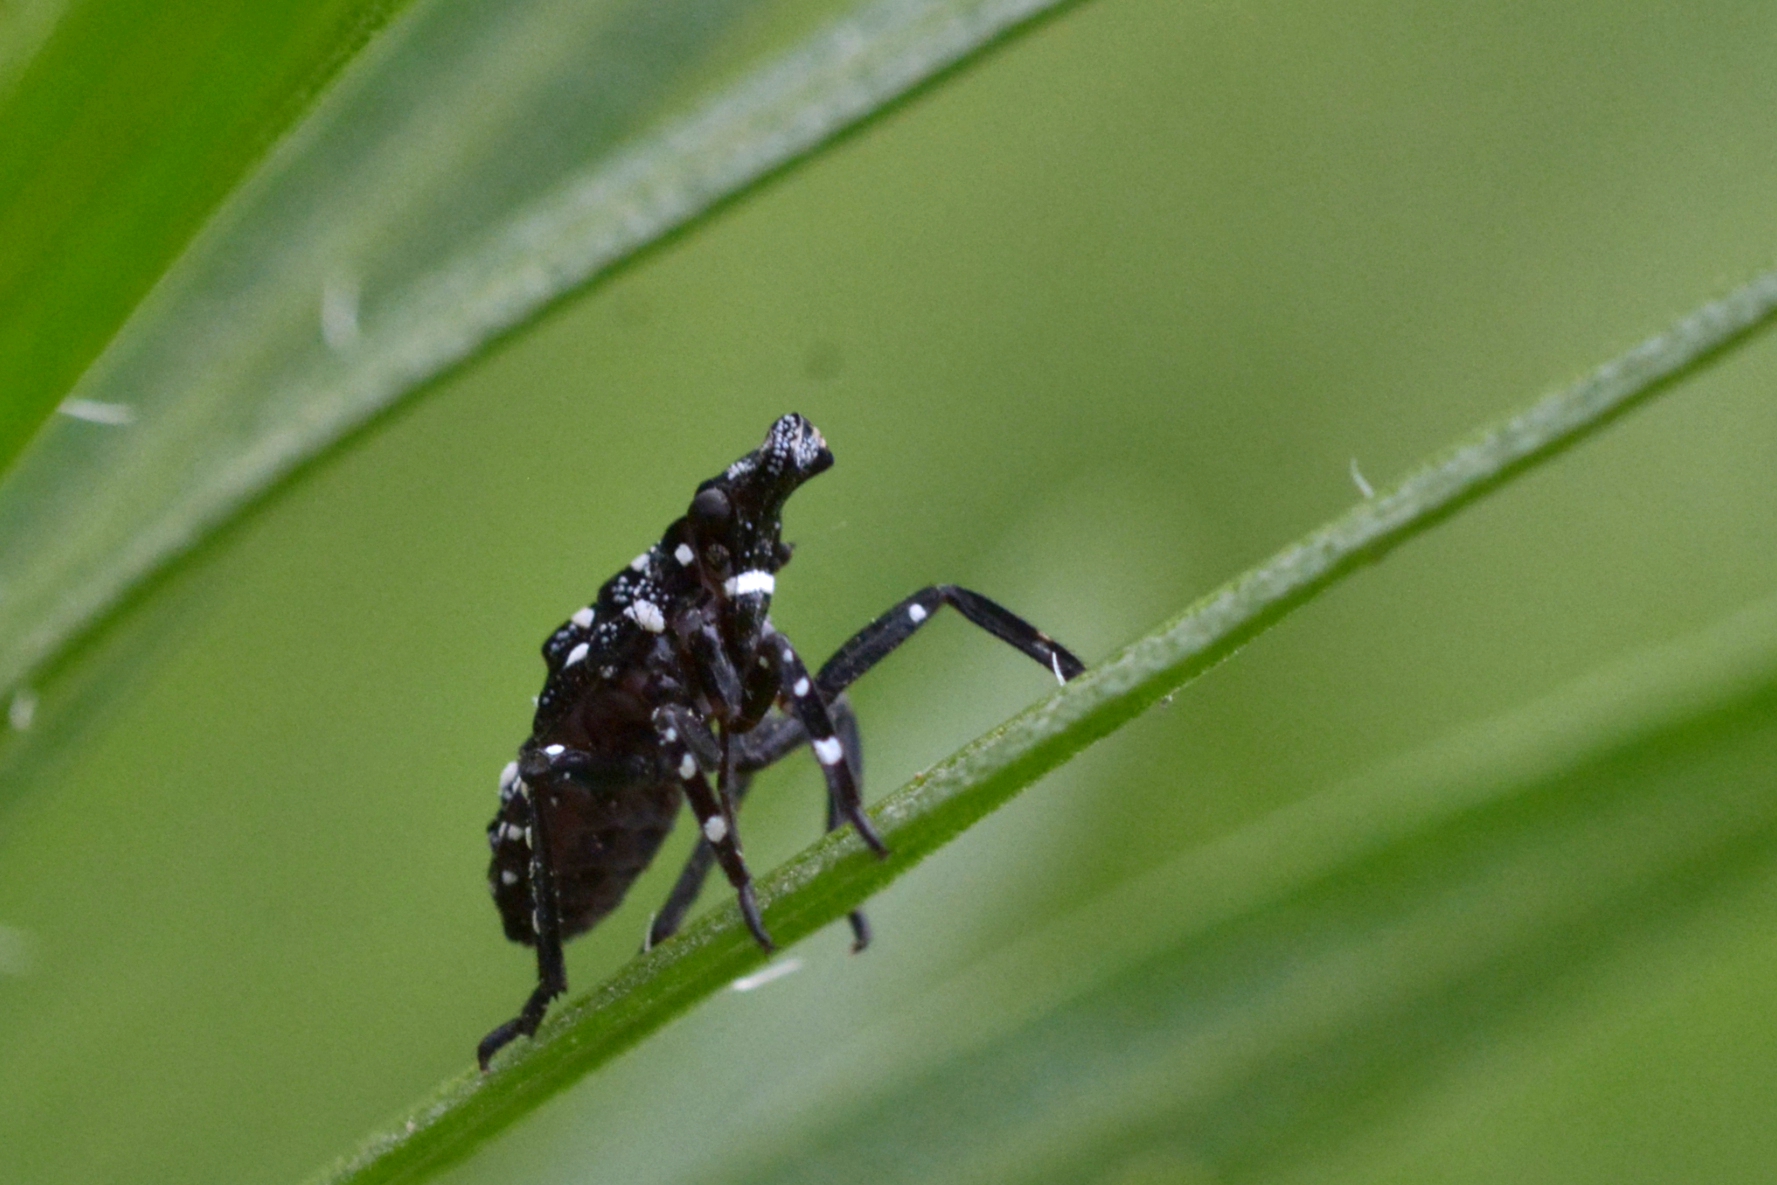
{"x": 600, "y": 840}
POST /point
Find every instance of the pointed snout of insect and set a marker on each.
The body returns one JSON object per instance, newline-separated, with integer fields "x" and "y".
{"x": 796, "y": 449}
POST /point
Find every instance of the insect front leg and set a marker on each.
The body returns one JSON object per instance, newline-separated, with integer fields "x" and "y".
{"x": 538, "y": 769}
{"x": 776, "y": 738}
{"x": 805, "y": 701}
{"x": 678, "y": 903}
{"x": 674, "y": 725}
{"x": 878, "y": 640}
{"x": 845, "y": 721}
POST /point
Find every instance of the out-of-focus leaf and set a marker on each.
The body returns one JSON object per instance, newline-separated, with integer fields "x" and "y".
{"x": 122, "y": 125}
{"x": 478, "y": 162}
{"x": 1253, "y": 1009}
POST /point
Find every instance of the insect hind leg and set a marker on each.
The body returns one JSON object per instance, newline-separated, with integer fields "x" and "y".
{"x": 552, "y": 972}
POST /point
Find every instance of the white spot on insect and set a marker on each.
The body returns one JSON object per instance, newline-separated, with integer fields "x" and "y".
{"x": 684, "y": 555}
{"x": 640, "y": 563}
{"x": 775, "y": 971}
{"x": 647, "y": 615}
{"x": 687, "y": 766}
{"x": 670, "y": 735}
{"x": 1357, "y": 479}
{"x": 607, "y": 672}
{"x": 715, "y": 829}
{"x": 508, "y": 877}
{"x": 916, "y": 613}
{"x": 509, "y": 776}
{"x": 801, "y": 688}
{"x": 527, "y": 837}
{"x": 21, "y": 713}
{"x": 513, "y": 831}
{"x": 575, "y": 655}
{"x": 754, "y": 580}
{"x": 582, "y": 618}
{"x": 554, "y": 750}
{"x": 1055, "y": 665}
{"x": 829, "y": 750}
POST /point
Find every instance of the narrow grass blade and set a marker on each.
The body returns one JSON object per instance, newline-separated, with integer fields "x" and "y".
{"x": 819, "y": 886}
{"x": 1246, "y": 1011}
{"x": 122, "y": 127}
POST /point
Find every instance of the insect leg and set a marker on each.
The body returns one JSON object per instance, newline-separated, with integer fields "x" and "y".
{"x": 845, "y": 721}
{"x": 552, "y": 973}
{"x": 715, "y": 814}
{"x": 877, "y": 640}
{"x": 776, "y": 737}
{"x": 779, "y": 736}
{"x": 666, "y": 923}
{"x": 808, "y": 705}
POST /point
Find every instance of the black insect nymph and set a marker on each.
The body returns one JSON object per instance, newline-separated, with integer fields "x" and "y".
{"x": 673, "y": 674}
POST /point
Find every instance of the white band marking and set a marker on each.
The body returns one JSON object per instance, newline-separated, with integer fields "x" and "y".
{"x": 752, "y": 581}
{"x": 829, "y": 750}
{"x": 715, "y": 829}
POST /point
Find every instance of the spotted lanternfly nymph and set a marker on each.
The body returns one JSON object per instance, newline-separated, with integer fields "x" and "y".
{"x": 675, "y": 673}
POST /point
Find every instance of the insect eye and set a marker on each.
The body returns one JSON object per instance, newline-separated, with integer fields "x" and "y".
{"x": 710, "y": 509}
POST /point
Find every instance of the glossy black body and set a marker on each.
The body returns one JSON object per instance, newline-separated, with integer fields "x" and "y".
{"x": 673, "y": 674}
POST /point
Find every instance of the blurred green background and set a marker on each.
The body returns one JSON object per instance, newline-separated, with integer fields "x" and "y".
{"x": 1091, "y": 327}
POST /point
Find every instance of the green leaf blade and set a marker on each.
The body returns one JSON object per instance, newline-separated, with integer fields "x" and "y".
{"x": 837, "y": 874}
{"x": 1247, "y": 1011}
{"x": 118, "y": 136}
